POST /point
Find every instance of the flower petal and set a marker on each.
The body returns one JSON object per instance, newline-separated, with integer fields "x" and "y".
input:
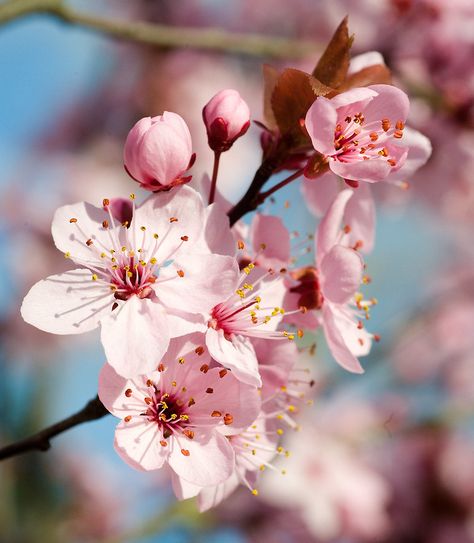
{"x": 67, "y": 303}
{"x": 237, "y": 354}
{"x": 419, "y": 151}
{"x": 370, "y": 171}
{"x": 320, "y": 193}
{"x": 339, "y": 336}
{"x": 320, "y": 123}
{"x": 135, "y": 336}
{"x": 210, "y": 460}
{"x": 360, "y": 216}
{"x": 341, "y": 274}
{"x": 390, "y": 103}
{"x": 138, "y": 444}
{"x": 269, "y": 231}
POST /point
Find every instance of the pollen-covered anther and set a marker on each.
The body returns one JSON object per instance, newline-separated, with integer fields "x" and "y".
{"x": 347, "y": 229}
{"x": 181, "y": 360}
{"x": 72, "y": 220}
{"x": 204, "y": 368}
{"x": 180, "y": 273}
{"x": 148, "y": 400}
{"x": 161, "y": 367}
{"x": 128, "y": 392}
{"x": 199, "y": 350}
{"x": 184, "y": 238}
{"x": 240, "y": 245}
{"x": 188, "y": 433}
{"x": 185, "y": 452}
{"x": 222, "y": 373}
{"x": 105, "y": 223}
{"x": 377, "y": 337}
{"x": 216, "y": 414}
{"x": 163, "y": 443}
{"x": 300, "y": 333}
{"x": 128, "y": 418}
{"x": 386, "y": 125}
{"x": 228, "y": 419}
{"x": 209, "y": 390}
{"x": 173, "y": 219}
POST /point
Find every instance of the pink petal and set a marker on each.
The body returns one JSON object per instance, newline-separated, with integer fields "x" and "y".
{"x": 320, "y": 123}
{"x": 138, "y": 444}
{"x": 210, "y": 460}
{"x": 67, "y": 303}
{"x": 269, "y": 231}
{"x": 329, "y": 228}
{"x": 237, "y": 354}
{"x": 370, "y": 171}
{"x": 182, "y": 203}
{"x": 211, "y": 496}
{"x": 337, "y": 335}
{"x": 182, "y": 489}
{"x": 218, "y": 235}
{"x": 419, "y": 151}
{"x": 391, "y": 103}
{"x": 320, "y": 193}
{"x": 352, "y": 100}
{"x": 207, "y": 280}
{"x": 341, "y": 274}
{"x": 360, "y": 216}
{"x": 72, "y": 236}
{"x": 135, "y": 336}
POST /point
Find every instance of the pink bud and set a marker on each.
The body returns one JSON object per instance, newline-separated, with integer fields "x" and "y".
{"x": 227, "y": 117}
{"x": 158, "y": 151}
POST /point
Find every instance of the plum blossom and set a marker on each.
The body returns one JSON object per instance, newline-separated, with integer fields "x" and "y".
{"x": 227, "y": 118}
{"x": 284, "y": 388}
{"x": 158, "y": 152}
{"x": 136, "y": 281}
{"x": 358, "y": 132}
{"x": 180, "y": 414}
{"x": 327, "y": 292}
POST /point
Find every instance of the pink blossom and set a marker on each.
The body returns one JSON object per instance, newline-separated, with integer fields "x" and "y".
{"x": 227, "y": 117}
{"x": 180, "y": 414}
{"x": 158, "y": 151}
{"x": 327, "y": 291}
{"x": 358, "y": 131}
{"x": 136, "y": 282}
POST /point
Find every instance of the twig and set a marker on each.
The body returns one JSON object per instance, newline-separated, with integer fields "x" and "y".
{"x": 93, "y": 410}
{"x": 164, "y": 36}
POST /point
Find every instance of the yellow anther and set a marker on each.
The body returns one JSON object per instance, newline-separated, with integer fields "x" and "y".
{"x": 287, "y": 454}
{"x": 247, "y": 286}
{"x": 123, "y": 249}
{"x": 184, "y": 417}
{"x": 156, "y": 236}
{"x": 132, "y": 196}
{"x": 254, "y": 452}
{"x": 143, "y": 228}
{"x": 115, "y": 267}
{"x": 113, "y": 259}
{"x": 291, "y": 408}
{"x": 283, "y": 388}
{"x": 280, "y": 432}
{"x": 103, "y": 255}
{"x": 262, "y": 468}
{"x": 181, "y": 360}
{"x": 258, "y": 299}
{"x": 240, "y": 293}
{"x": 67, "y": 255}
{"x": 173, "y": 383}
{"x": 251, "y": 266}
{"x": 280, "y": 449}
{"x": 153, "y": 260}
{"x": 267, "y": 319}
{"x": 247, "y": 270}
{"x": 279, "y": 417}
{"x": 283, "y": 471}
{"x": 94, "y": 277}
{"x": 255, "y": 492}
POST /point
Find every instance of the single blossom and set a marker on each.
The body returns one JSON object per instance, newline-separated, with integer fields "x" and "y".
{"x": 327, "y": 292}
{"x": 180, "y": 414}
{"x": 359, "y": 132}
{"x": 141, "y": 281}
{"x": 158, "y": 152}
{"x": 227, "y": 117}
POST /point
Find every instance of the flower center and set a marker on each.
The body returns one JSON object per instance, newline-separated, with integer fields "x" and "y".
{"x": 308, "y": 288}
{"x": 168, "y": 411}
{"x": 354, "y": 140}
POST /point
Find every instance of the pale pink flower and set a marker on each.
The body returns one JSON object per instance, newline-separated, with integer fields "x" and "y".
{"x": 358, "y": 131}
{"x": 252, "y": 309}
{"x": 136, "y": 282}
{"x": 158, "y": 152}
{"x": 227, "y": 117}
{"x": 327, "y": 291}
{"x": 180, "y": 414}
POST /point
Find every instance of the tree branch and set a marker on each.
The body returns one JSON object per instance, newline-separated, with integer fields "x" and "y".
{"x": 93, "y": 410}
{"x": 163, "y": 36}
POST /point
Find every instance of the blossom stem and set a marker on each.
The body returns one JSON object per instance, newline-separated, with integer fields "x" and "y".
{"x": 215, "y": 171}
{"x": 93, "y": 410}
{"x": 264, "y": 195}
{"x": 164, "y": 36}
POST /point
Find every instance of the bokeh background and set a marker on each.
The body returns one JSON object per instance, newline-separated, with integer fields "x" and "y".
{"x": 384, "y": 457}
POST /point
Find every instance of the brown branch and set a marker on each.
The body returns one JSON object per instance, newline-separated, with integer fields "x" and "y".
{"x": 210, "y": 39}
{"x": 93, "y": 410}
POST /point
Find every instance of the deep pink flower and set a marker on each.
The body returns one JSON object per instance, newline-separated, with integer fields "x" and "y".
{"x": 227, "y": 117}
{"x": 359, "y": 131}
{"x": 180, "y": 414}
{"x": 136, "y": 281}
{"x": 158, "y": 152}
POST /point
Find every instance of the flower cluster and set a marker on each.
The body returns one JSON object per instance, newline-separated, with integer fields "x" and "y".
{"x": 200, "y": 314}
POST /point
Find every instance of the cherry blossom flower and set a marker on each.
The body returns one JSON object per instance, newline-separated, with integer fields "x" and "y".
{"x": 227, "y": 118}
{"x": 327, "y": 291}
{"x": 180, "y": 414}
{"x": 158, "y": 151}
{"x": 136, "y": 281}
{"x": 358, "y": 132}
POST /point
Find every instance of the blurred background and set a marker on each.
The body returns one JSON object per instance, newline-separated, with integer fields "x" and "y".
{"x": 384, "y": 457}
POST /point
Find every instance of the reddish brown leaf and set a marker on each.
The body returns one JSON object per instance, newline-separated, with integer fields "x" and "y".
{"x": 334, "y": 63}
{"x": 270, "y": 77}
{"x": 372, "y": 75}
{"x": 294, "y": 93}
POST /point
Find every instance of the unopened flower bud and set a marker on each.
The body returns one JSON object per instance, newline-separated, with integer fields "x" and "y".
{"x": 227, "y": 117}
{"x": 158, "y": 151}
